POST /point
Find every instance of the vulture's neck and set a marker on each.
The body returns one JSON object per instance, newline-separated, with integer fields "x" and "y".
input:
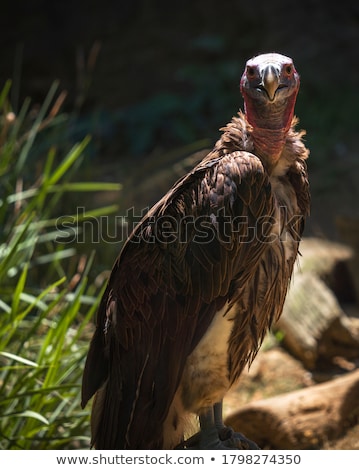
{"x": 270, "y": 125}
{"x": 268, "y": 145}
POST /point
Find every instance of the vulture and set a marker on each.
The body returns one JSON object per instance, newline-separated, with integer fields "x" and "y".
{"x": 201, "y": 279}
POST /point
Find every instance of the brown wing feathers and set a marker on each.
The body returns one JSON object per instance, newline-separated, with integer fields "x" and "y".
{"x": 163, "y": 296}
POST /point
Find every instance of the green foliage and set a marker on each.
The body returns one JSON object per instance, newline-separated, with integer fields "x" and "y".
{"x": 206, "y": 95}
{"x": 46, "y": 296}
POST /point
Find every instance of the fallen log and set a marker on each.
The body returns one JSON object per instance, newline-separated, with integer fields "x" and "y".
{"x": 304, "y": 419}
{"x": 330, "y": 262}
{"x": 321, "y": 256}
{"x": 313, "y": 324}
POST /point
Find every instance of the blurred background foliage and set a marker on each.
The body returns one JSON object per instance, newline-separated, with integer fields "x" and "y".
{"x": 151, "y": 82}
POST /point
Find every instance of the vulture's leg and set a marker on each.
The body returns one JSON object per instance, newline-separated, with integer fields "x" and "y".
{"x": 215, "y": 435}
{"x": 226, "y": 433}
{"x": 207, "y": 437}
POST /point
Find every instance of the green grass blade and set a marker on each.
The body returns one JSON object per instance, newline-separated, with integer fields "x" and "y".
{"x": 18, "y": 290}
{"x": 4, "y": 93}
{"x": 65, "y": 187}
{"x": 17, "y": 358}
{"x": 28, "y": 414}
{"x": 9, "y": 249}
{"x": 35, "y": 128}
{"x": 68, "y": 161}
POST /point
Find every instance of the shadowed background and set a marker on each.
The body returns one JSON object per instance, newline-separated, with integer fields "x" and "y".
{"x": 153, "y": 81}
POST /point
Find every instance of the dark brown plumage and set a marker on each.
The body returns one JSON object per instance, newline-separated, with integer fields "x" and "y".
{"x": 202, "y": 278}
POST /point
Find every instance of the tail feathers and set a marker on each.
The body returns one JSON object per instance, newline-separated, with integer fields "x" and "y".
{"x": 96, "y": 368}
{"x": 104, "y": 422}
{"x": 111, "y": 429}
{"x": 123, "y": 414}
{"x": 112, "y": 426}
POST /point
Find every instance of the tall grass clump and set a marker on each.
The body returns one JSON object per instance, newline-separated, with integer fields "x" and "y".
{"x": 47, "y": 297}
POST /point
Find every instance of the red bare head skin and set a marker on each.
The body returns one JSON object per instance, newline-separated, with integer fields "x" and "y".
{"x": 269, "y": 85}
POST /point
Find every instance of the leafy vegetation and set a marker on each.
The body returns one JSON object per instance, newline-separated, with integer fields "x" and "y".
{"x": 47, "y": 295}
{"x": 205, "y": 95}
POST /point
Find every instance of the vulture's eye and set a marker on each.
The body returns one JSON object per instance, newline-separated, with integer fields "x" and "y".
{"x": 288, "y": 69}
{"x": 251, "y": 71}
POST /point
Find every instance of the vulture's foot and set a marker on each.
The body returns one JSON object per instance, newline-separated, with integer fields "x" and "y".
{"x": 215, "y": 435}
{"x": 235, "y": 440}
{"x": 225, "y": 438}
{"x": 218, "y": 439}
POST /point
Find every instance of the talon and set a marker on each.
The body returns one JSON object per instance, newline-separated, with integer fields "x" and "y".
{"x": 225, "y": 433}
{"x": 240, "y": 442}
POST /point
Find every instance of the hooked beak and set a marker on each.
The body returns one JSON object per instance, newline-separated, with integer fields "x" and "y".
{"x": 270, "y": 81}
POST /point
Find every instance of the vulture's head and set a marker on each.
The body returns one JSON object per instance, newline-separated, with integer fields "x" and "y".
{"x": 269, "y": 86}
